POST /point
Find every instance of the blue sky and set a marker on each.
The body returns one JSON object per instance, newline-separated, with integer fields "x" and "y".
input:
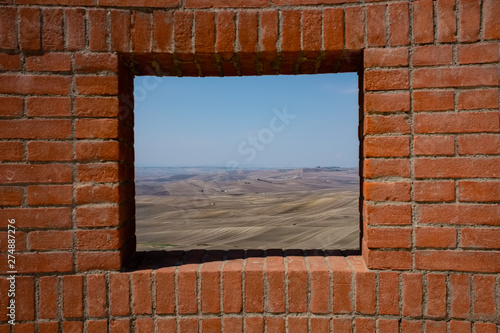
{"x": 265, "y": 121}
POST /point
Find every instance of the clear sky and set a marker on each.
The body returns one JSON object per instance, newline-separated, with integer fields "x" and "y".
{"x": 265, "y": 121}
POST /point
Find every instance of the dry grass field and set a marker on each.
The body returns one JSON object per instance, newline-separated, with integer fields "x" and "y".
{"x": 210, "y": 208}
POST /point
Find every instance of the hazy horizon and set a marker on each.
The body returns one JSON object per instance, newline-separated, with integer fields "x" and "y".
{"x": 299, "y": 121}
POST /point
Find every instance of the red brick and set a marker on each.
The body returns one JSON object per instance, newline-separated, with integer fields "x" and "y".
{"x": 97, "y": 129}
{"x": 141, "y": 289}
{"x": 297, "y": 284}
{"x": 43, "y": 262}
{"x": 388, "y": 293}
{"x": 459, "y": 214}
{"x": 100, "y": 239}
{"x": 275, "y": 324}
{"x": 98, "y": 30}
{"x": 98, "y": 172}
{"x": 72, "y": 296}
{"x": 72, "y": 327}
{"x": 35, "y": 84}
{"x": 446, "y": 21}
{"x": 97, "y": 326}
{"x": 365, "y": 287}
{"x": 48, "y": 327}
{"x": 186, "y": 289}
{"x": 375, "y": 168}
{"x": 435, "y": 326}
{"x": 210, "y": 281}
{"x": 96, "y": 295}
{"x": 247, "y": 31}
{"x": 398, "y": 191}
{"x": 470, "y": 20}
{"x": 311, "y": 30}
{"x": 342, "y": 278}
{"x": 10, "y": 62}
{"x": 8, "y": 28}
{"x": 297, "y": 324}
{"x": 166, "y": 325}
{"x": 141, "y": 31}
{"x": 354, "y": 28}
{"x": 97, "y": 85}
{"x": 50, "y": 240}
{"x": 457, "y": 167}
{"x": 11, "y": 195}
{"x": 48, "y": 107}
{"x": 11, "y": 106}
{"x": 275, "y": 276}
{"x": 375, "y": 25}
{"x": 390, "y": 57}
{"x": 233, "y": 324}
{"x": 478, "y": 99}
{"x": 40, "y": 218}
{"x": 387, "y": 325}
{"x": 387, "y": 79}
{"x": 434, "y": 145}
{"x": 461, "y": 122}
{"x": 386, "y": 146}
{"x": 462, "y": 261}
{"x": 119, "y": 289}
{"x": 412, "y": 294}
{"x": 388, "y": 238}
{"x": 460, "y": 326}
{"x": 433, "y": 100}
{"x": 436, "y": 296}
{"x": 102, "y": 216}
{"x": 379, "y": 124}
{"x": 119, "y": 325}
{"x": 485, "y": 327}
{"x": 399, "y": 260}
{"x": 165, "y": 290}
{"x": 291, "y": 31}
{"x": 491, "y": 20}
{"x": 333, "y": 38}
{"x": 29, "y": 28}
{"x": 387, "y": 214}
{"x": 140, "y": 3}
{"x": 481, "y": 238}
{"x": 432, "y": 55}
{"x": 460, "y": 295}
{"x": 48, "y": 297}
{"x": 478, "y": 191}
{"x": 435, "y": 237}
{"x": 434, "y": 191}
{"x": 52, "y": 29}
{"x": 254, "y": 324}
{"x": 423, "y": 24}
{"x": 50, "y": 151}
{"x": 342, "y": 325}
{"x": 226, "y": 3}
{"x": 11, "y": 151}
{"x": 120, "y": 30}
{"x": 95, "y": 62}
{"x": 98, "y": 151}
{"x": 399, "y": 24}
{"x": 183, "y": 22}
{"x": 366, "y": 325}
{"x": 35, "y": 129}
{"x": 455, "y": 77}
{"x": 162, "y": 31}
{"x": 477, "y": 53}
{"x": 211, "y": 325}
{"x": 479, "y": 144}
{"x": 75, "y": 28}
{"x": 319, "y": 278}
{"x": 484, "y": 297}
{"x": 96, "y": 106}
{"x": 387, "y": 102}
{"x": 253, "y": 284}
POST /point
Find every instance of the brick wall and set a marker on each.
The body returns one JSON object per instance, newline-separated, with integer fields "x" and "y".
{"x": 429, "y": 74}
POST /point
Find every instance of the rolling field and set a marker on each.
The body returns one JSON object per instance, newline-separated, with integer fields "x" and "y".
{"x": 209, "y": 208}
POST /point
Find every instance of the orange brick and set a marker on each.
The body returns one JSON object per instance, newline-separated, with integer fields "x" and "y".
{"x": 399, "y": 24}
{"x": 333, "y": 19}
{"x": 375, "y": 25}
{"x": 387, "y": 102}
{"x": 380, "y": 124}
{"x": 432, "y": 55}
{"x": 477, "y": 214}
{"x": 434, "y": 145}
{"x": 461, "y": 122}
{"x": 387, "y": 79}
{"x": 389, "y": 146}
{"x": 394, "y": 191}
{"x": 390, "y": 57}
{"x": 455, "y": 77}
{"x": 388, "y": 238}
{"x": 433, "y": 100}
{"x": 389, "y": 214}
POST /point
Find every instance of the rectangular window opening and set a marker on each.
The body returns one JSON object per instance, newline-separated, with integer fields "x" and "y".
{"x": 247, "y": 162}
